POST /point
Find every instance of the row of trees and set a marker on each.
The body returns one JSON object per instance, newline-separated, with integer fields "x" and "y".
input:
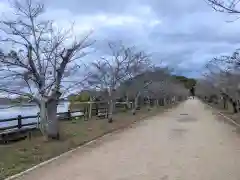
{"x": 155, "y": 86}
{"x": 221, "y": 78}
{"x": 43, "y": 66}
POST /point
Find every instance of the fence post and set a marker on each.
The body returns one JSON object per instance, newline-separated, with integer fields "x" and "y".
{"x": 19, "y": 118}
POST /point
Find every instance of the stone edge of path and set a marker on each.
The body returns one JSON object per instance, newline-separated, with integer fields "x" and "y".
{"x": 84, "y": 145}
{"x": 228, "y": 118}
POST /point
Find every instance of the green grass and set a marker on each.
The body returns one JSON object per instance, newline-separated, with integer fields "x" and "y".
{"x": 22, "y": 155}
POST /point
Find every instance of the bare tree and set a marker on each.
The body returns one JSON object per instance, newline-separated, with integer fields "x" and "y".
{"x": 222, "y": 80}
{"x": 138, "y": 88}
{"x": 155, "y": 84}
{"x": 145, "y": 85}
{"x": 43, "y": 65}
{"x": 123, "y": 63}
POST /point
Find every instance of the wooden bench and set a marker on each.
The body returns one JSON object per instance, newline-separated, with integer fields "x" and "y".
{"x": 16, "y": 134}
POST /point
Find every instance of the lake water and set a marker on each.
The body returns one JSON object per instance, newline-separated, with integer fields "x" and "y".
{"x": 25, "y": 111}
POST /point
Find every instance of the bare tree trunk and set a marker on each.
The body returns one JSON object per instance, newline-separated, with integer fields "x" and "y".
{"x": 43, "y": 117}
{"x": 90, "y": 109}
{"x": 110, "y": 112}
{"x": 127, "y": 103}
{"x": 86, "y": 112}
{"x": 234, "y": 105}
{"x": 238, "y": 105}
{"x": 224, "y": 103}
{"x": 110, "y": 106}
{"x": 49, "y": 124}
{"x": 136, "y": 103}
{"x": 53, "y": 122}
{"x": 173, "y": 99}
{"x": 97, "y": 109}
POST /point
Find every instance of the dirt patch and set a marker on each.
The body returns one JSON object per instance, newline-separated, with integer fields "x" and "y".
{"x": 183, "y": 114}
{"x": 187, "y": 119}
{"x": 177, "y": 133}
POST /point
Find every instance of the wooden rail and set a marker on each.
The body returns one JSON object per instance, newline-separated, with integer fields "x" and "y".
{"x": 62, "y": 116}
{"x": 19, "y": 119}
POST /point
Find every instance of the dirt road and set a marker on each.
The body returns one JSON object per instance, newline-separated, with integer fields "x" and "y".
{"x": 186, "y": 143}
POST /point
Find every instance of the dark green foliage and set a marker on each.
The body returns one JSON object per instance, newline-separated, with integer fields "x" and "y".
{"x": 188, "y": 82}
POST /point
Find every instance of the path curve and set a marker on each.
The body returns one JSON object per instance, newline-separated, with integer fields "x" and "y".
{"x": 185, "y": 143}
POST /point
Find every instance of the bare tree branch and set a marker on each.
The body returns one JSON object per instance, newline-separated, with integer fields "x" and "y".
{"x": 224, "y": 6}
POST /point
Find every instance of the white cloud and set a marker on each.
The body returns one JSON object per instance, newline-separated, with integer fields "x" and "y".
{"x": 95, "y": 21}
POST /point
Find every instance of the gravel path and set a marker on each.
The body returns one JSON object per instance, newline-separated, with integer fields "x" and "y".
{"x": 185, "y": 143}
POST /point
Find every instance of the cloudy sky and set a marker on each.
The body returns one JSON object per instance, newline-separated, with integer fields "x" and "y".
{"x": 182, "y": 33}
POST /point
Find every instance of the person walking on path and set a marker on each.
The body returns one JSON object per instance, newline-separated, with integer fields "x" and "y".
{"x": 192, "y": 92}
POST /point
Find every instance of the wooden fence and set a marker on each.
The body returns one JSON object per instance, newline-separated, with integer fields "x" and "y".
{"x": 67, "y": 115}
{"x": 20, "y": 120}
{"x": 62, "y": 116}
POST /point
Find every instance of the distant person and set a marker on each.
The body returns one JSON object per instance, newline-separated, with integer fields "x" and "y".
{"x": 192, "y": 92}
